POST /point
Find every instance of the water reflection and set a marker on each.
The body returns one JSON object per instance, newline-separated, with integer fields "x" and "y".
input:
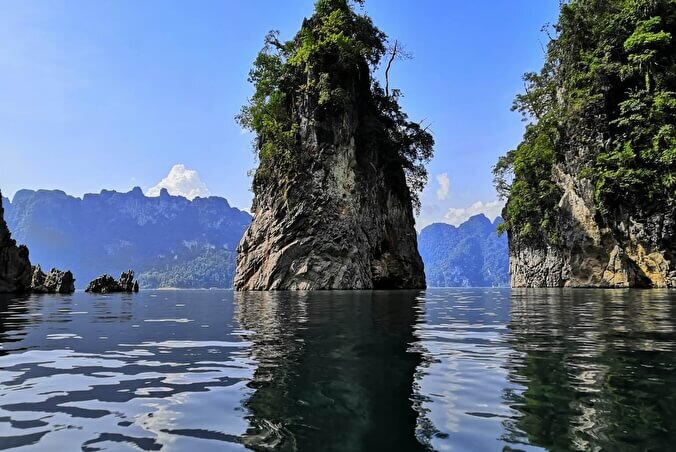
{"x": 117, "y": 372}
{"x": 457, "y": 369}
{"x": 461, "y": 335}
{"x": 14, "y": 315}
{"x": 598, "y": 368}
{"x": 335, "y": 370}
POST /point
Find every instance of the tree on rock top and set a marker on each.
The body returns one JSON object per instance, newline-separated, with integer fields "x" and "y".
{"x": 336, "y": 50}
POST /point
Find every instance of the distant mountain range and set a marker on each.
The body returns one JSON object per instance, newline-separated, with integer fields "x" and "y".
{"x": 174, "y": 242}
{"x": 470, "y": 255}
{"x": 168, "y": 240}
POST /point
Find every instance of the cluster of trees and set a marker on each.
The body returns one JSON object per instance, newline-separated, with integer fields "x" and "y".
{"x": 320, "y": 64}
{"x": 606, "y": 95}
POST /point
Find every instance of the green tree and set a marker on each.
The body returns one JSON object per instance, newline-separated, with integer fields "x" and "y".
{"x": 332, "y": 45}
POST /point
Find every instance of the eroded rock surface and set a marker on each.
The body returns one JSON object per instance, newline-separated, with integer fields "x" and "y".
{"x": 56, "y": 281}
{"x": 626, "y": 249}
{"x": 335, "y": 211}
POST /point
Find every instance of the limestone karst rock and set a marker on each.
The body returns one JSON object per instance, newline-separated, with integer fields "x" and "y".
{"x": 107, "y": 284}
{"x": 15, "y": 266}
{"x": 332, "y": 208}
{"x": 591, "y": 188}
{"x": 56, "y": 281}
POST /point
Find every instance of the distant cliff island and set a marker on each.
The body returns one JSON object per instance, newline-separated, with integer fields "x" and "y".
{"x": 169, "y": 240}
{"x": 592, "y": 201}
{"x": 469, "y": 255}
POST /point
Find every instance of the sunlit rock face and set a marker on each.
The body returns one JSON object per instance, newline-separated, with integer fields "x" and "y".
{"x": 15, "y": 267}
{"x": 342, "y": 224}
{"x": 629, "y": 247}
{"x": 56, "y": 281}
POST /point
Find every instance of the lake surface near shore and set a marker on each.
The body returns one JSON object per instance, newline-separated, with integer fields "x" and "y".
{"x": 443, "y": 369}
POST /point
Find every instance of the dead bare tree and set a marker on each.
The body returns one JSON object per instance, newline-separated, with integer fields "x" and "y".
{"x": 396, "y": 52}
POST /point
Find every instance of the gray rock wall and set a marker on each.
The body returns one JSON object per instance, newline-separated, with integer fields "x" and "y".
{"x": 629, "y": 247}
{"x": 343, "y": 220}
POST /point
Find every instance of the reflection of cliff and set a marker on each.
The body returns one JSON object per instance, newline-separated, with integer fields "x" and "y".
{"x": 13, "y": 319}
{"x": 334, "y": 371}
{"x": 599, "y": 371}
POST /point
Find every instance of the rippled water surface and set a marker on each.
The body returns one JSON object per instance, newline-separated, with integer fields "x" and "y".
{"x": 462, "y": 370}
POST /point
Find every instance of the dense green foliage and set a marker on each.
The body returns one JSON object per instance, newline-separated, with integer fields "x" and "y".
{"x": 192, "y": 269}
{"x": 606, "y": 98}
{"x": 332, "y": 55}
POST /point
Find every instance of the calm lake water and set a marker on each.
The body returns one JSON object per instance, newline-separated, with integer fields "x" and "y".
{"x": 462, "y": 370}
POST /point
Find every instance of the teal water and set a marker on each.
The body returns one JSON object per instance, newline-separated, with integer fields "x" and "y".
{"x": 456, "y": 369}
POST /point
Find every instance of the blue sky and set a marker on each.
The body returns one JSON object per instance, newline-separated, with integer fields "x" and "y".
{"x": 114, "y": 93}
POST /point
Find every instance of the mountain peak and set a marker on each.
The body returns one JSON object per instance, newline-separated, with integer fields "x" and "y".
{"x": 478, "y": 219}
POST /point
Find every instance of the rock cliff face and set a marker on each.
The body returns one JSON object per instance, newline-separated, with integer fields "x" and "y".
{"x": 341, "y": 225}
{"x": 341, "y": 217}
{"x": 592, "y": 200}
{"x": 15, "y": 267}
{"x": 628, "y": 248}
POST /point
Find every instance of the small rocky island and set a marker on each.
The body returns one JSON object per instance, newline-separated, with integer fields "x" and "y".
{"x": 16, "y": 273}
{"x": 340, "y": 164}
{"x": 107, "y": 284}
{"x": 56, "y": 281}
{"x": 591, "y": 189}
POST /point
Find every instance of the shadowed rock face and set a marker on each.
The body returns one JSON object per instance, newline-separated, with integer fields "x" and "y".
{"x": 106, "y": 284}
{"x": 15, "y": 267}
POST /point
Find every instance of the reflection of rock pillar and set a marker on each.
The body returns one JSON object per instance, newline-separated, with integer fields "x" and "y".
{"x": 595, "y": 367}
{"x": 541, "y": 334}
{"x": 272, "y": 323}
{"x": 13, "y": 324}
{"x": 335, "y": 371}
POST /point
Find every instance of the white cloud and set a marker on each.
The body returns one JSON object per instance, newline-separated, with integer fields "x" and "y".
{"x": 444, "y": 186}
{"x": 491, "y": 209}
{"x": 181, "y": 182}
